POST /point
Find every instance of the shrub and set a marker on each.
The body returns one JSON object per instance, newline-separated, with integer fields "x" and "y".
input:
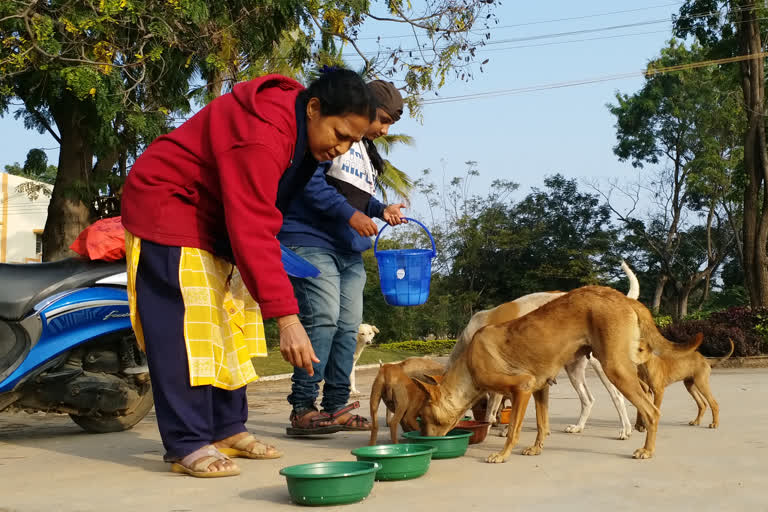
{"x": 746, "y": 327}
{"x": 663, "y": 321}
{"x": 420, "y": 347}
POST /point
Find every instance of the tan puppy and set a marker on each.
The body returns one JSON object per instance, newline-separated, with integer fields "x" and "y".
{"x": 576, "y": 369}
{"x": 519, "y": 358}
{"x": 694, "y": 370}
{"x": 365, "y": 334}
{"x": 401, "y": 395}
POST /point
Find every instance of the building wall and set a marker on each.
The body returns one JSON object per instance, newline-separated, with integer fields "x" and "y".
{"x": 21, "y": 221}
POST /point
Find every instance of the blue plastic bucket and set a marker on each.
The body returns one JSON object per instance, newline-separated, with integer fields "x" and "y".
{"x": 405, "y": 274}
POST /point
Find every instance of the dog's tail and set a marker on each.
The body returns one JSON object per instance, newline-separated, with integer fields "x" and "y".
{"x": 658, "y": 344}
{"x": 724, "y": 359}
{"x": 376, "y": 389}
{"x": 634, "y": 285}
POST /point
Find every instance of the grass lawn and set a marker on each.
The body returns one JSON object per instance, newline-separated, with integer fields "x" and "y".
{"x": 274, "y": 363}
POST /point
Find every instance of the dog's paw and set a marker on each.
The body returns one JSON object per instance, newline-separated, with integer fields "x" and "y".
{"x": 573, "y": 429}
{"x": 642, "y": 453}
{"x": 532, "y": 450}
{"x": 354, "y": 392}
{"x": 640, "y": 428}
{"x": 713, "y": 425}
{"x": 624, "y": 434}
{"x": 504, "y": 432}
{"x": 495, "y": 458}
{"x": 694, "y": 423}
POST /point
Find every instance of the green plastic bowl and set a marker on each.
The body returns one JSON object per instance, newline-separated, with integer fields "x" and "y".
{"x": 453, "y": 444}
{"x": 397, "y": 461}
{"x": 330, "y": 483}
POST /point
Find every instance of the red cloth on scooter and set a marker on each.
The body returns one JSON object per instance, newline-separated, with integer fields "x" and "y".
{"x": 103, "y": 240}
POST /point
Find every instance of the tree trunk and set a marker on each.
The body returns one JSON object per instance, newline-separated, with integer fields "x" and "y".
{"x": 705, "y": 295}
{"x": 755, "y": 159}
{"x": 657, "y": 294}
{"x": 682, "y": 302}
{"x": 710, "y": 257}
{"x": 68, "y": 215}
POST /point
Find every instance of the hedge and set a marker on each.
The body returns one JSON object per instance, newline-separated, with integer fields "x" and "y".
{"x": 747, "y": 328}
{"x": 420, "y": 347}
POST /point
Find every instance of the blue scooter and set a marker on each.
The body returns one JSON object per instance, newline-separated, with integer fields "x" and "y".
{"x": 67, "y": 346}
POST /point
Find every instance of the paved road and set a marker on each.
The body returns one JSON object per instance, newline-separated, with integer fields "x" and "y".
{"x": 48, "y": 464}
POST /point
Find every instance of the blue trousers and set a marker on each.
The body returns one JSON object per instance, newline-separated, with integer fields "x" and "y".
{"x": 188, "y": 417}
{"x": 330, "y": 309}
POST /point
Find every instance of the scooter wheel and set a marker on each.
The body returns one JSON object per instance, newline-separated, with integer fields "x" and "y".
{"x": 106, "y": 424}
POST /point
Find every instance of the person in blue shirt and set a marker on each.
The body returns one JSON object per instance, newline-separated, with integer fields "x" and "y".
{"x": 330, "y": 225}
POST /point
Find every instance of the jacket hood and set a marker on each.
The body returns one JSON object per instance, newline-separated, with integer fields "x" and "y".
{"x": 264, "y": 97}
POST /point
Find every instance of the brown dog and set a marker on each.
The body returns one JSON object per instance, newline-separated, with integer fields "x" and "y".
{"x": 694, "y": 370}
{"x": 519, "y": 358}
{"x": 576, "y": 369}
{"x": 401, "y": 395}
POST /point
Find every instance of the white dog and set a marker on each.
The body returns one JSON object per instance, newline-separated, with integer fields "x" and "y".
{"x": 365, "y": 334}
{"x": 576, "y": 370}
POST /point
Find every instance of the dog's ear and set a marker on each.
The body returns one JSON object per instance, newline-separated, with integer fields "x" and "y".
{"x": 436, "y": 378}
{"x": 375, "y": 329}
{"x": 432, "y": 390}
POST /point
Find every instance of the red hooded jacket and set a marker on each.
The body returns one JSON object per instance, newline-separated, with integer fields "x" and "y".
{"x": 212, "y": 184}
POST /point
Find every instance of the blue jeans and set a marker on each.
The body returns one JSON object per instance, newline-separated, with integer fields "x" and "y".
{"x": 331, "y": 310}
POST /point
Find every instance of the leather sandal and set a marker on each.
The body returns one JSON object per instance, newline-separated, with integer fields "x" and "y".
{"x": 309, "y": 424}
{"x": 355, "y": 423}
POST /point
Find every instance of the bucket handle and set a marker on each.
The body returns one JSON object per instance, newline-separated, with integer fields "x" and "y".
{"x": 434, "y": 249}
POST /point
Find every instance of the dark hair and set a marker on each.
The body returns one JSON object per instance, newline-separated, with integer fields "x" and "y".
{"x": 373, "y": 154}
{"x": 341, "y": 91}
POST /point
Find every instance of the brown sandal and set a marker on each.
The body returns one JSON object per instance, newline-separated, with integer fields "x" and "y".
{"x": 317, "y": 424}
{"x": 355, "y": 423}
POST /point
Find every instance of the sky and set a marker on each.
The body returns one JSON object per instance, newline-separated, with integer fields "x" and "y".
{"x": 524, "y": 136}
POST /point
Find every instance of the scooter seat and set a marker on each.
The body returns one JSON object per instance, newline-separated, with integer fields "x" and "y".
{"x": 23, "y": 286}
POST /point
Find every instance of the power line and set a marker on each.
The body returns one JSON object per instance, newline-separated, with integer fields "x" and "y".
{"x": 549, "y": 35}
{"x": 573, "y": 32}
{"x": 540, "y": 22}
{"x": 484, "y": 49}
{"x": 573, "y": 83}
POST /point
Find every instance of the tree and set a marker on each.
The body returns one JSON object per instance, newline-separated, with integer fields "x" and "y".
{"x": 737, "y": 28}
{"x": 683, "y": 121}
{"x": 35, "y": 167}
{"x": 492, "y": 250}
{"x": 393, "y": 180}
{"x": 105, "y": 78}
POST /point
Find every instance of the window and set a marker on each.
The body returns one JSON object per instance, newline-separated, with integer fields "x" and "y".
{"x": 38, "y": 243}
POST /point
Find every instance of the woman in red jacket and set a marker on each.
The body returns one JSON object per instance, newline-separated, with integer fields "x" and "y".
{"x": 201, "y": 211}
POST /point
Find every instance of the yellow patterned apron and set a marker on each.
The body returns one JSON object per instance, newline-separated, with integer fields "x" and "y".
{"x": 223, "y": 326}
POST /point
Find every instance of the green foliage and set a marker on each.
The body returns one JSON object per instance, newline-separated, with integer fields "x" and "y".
{"x": 35, "y": 168}
{"x": 112, "y": 75}
{"x": 690, "y": 121}
{"x": 663, "y": 321}
{"x": 393, "y": 180}
{"x": 420, "y": 347}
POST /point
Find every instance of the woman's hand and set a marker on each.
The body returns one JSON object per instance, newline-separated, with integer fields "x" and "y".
{"x": 295, "y": 346}
{"x": 363, "y": 224}
{"x": 393, "y": 215}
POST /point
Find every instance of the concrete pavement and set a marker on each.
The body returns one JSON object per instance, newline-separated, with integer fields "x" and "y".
{"x": 48, "y": 464}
